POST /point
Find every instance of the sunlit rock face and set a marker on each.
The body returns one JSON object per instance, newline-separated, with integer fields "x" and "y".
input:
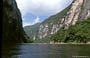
{"x": 79, "y": 10}
{"x": 12, "y": 23}
{"x": 51, "y": 25}
{"x": 74, "y": 12}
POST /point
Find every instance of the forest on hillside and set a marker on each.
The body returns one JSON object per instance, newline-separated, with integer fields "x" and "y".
{"x": 79, "y": 33}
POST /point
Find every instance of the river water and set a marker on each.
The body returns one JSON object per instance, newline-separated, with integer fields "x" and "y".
{"x": 28, "y": 50}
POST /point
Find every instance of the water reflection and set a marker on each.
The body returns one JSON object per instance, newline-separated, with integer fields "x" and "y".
{"x": 45, "y": 51}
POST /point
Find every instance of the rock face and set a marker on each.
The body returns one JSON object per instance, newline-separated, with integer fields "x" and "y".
{"x": 79, "y": 10}
{"x": 85, "y": 13}
{"x": 12, "y": 23}
{"x": 73, "y": 13}
{"x": 52, "y": 24}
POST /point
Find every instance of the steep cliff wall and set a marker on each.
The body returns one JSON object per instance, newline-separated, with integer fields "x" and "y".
{"x": 73, "y": 13}
{"x": 12, "y": 23}
{"x": 52, "y": 24}
{"x": 85, "y": 12}
{"x": 79, "y": 10}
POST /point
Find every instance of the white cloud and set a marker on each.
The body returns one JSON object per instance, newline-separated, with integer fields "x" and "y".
{"x": 26, "y": 23}
{"x": 36, "y": 20}
{"x": 42, "y": 7}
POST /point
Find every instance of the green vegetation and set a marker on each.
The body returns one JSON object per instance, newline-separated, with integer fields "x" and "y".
{"x": 79, "y": 33}
{"x": 43, "y": 40}
{"x": 32, "y": 30}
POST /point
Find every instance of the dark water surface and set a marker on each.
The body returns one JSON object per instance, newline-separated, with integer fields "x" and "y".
{"x": 46, "y": 51}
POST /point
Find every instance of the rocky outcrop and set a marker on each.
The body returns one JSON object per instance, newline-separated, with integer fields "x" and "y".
{"x": 74, "y": 12}
{"x": 79, "y": 10}
{"x": 12, "y": 23}
{"x": 52, "y": 24}
{"x": 85, "y": 12}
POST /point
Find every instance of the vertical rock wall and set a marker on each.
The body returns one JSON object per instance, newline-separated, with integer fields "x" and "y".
{"x": 85, "y": 13}
{"x": 74, "y": 12}
{"x": 12, "y": 23}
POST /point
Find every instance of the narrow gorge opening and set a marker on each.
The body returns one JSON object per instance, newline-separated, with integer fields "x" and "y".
{"x": 44, "y": 12}
{"x": 53, "y": 34}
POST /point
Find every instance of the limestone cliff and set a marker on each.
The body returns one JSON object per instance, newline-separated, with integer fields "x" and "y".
{"x": 74, "y": 12}
{"x": 12, "y": 23}
{"x": 85, "y": 12}
{"x": 79, "y": 10}
{"x": 52, "y": 24}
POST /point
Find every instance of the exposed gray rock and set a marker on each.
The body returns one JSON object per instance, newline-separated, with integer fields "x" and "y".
{"x": 85, "y": 12}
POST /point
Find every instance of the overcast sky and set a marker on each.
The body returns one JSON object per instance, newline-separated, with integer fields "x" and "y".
{"x": 35, "y": 11}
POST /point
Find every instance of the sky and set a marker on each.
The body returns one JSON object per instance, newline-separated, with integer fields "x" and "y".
{"x": 36, "y": 11}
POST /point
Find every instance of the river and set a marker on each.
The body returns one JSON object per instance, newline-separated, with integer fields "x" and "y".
{"x": 28, "y": 50}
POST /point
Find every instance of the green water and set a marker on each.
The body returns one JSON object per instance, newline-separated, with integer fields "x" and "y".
{"x": 46, "y": 51}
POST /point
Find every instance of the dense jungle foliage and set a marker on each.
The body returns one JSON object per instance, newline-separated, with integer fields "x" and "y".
{"x": 79, "y": 33}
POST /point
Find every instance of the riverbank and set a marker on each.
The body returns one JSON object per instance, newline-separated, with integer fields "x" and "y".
{"x": 56, "y": 43}
{"x": 68, "y": 43}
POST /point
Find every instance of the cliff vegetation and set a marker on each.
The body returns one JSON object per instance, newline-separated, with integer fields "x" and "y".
{"x": 79, "y": 33}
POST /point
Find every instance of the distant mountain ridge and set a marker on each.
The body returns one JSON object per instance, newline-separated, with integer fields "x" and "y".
{"x": 32, "y": 30}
